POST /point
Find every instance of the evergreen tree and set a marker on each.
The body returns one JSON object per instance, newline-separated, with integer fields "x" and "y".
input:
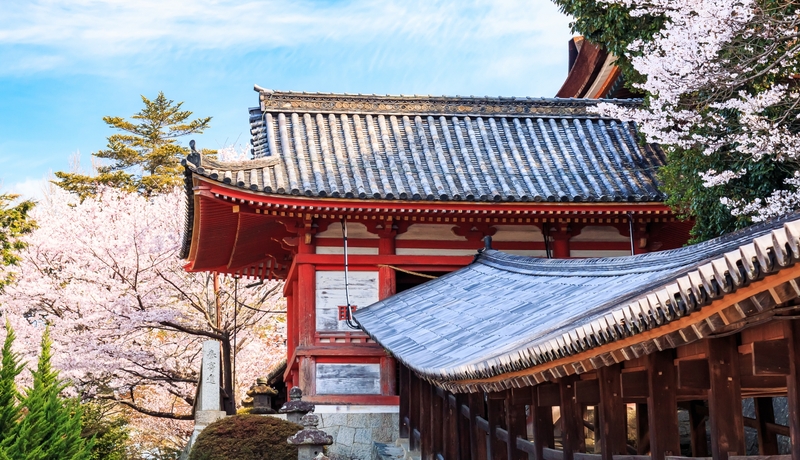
{"x": 51, "y": 427}
{"x": 14, "y": 222}
{"x": 146, "y": 157}
{"x": 10, "y": 367}
{"x": 108, "y": 426}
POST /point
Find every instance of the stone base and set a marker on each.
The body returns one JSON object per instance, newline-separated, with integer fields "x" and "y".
{"x": 207, "y": 417}
{"x": 355, "y": 428}
{"x": 202, "y": 419}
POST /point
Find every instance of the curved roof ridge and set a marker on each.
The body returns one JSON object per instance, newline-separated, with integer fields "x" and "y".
{"x": 628, "y": 265}
{"x": 305, "y": 102}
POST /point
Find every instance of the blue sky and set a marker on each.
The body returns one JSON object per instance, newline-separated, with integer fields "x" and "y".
{"x": 64, "y": 64}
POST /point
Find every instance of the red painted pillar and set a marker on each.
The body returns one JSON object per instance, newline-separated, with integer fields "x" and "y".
{"x": 387, "y": 287}
{"x": 291, "y": 328}
{"x": 561, "y": 235}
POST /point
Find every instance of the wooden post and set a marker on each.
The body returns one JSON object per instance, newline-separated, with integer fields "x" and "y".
{"x": 415, "y": 402}
{"x": 662, "y": 405}
{"x": 405, "y": 405}
{"x": 697, "y": 424}
{"x": 792, "y": 333}
{"x": 386, "y": 243}
{"x": 308, "y": 375}
{"x": 561, "y": 243}
{"x": 765, "y": 414}
{"x": 477, "y": 438}
{"x": 464, "y": 433}
{"x": 291, "y": 328}
{"x": 426, "y": 430}
{"x": 437, "y": 422}
{"x": 387, "y": 282}
{"x": 725, "y": 398}
{"x": 572, "y": 437}
{"x": 496, "y": 403}
{"x": 388, "y": 368}
{"x": 543, "y": 435}
{"x": 515, "y": 425}
{"x": 642, "y": 430}
{"x": 451, "y": 427}
{"x": 306, "y": 295}
{"x": 613, "y": 417}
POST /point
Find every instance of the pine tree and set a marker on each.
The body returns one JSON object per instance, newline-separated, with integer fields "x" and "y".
{"x": 10, "y": 367}
{"x": 146, "y": 157}
{"x": 14, "y": 222}
{"x": 51, "y": 427}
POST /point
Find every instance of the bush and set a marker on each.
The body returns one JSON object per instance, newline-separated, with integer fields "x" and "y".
{"x": 246, "y": 437}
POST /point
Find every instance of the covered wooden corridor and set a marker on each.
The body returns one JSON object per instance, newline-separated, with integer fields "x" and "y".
{"x": 648, "y": 350}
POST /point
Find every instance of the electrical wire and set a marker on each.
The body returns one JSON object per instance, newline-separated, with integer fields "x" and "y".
{"x": 630, "y": 229}
{"x": 352, "y": 323}
{"x": 410, "y": 272}
{"x": 546, "y": 232}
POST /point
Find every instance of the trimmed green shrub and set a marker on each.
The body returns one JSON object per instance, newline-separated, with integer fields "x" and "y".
{"x": 246, "y": 437}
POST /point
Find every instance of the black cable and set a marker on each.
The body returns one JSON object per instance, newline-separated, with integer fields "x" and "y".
{"x": 546, "y": 232}
{"x": 348, "y": 317}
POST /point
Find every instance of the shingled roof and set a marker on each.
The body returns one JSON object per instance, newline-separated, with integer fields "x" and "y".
{"x": 440, "y": 148}
{"x": 506, "y": 313}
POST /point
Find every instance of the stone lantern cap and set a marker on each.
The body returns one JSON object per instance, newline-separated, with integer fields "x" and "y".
{"x": 261, "y": 388}
{"x": 310, "y": 435}
{"x": 295, "y": 403}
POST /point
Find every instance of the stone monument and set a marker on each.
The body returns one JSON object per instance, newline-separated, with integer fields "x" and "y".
{"x": 208, "y": 405}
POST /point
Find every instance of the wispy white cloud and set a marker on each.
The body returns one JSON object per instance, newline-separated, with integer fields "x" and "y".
{"x": 28, "y": 188}
{"x": 102, "y": 29}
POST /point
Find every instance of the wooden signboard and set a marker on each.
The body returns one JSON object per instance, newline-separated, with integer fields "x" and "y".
{"x": 363, "y": 288}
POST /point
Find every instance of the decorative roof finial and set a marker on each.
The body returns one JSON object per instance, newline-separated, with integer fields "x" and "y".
{"x": 194, "y": 156}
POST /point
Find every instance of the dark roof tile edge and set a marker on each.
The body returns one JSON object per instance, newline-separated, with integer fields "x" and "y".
{"x": 302, "y": 102}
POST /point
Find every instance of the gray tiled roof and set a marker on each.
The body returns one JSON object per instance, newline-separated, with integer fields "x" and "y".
{"x": 440, "y": 148}
{"x": 506, "y": 313}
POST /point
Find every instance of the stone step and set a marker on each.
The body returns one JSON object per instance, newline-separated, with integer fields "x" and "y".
{"x": 386, "y": 451}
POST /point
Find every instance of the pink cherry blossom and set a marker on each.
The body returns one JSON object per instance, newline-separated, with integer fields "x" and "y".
{"x": 126, "y": 319}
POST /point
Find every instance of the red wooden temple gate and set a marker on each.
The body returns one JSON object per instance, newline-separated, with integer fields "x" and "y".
{"x": 419, "y": 181}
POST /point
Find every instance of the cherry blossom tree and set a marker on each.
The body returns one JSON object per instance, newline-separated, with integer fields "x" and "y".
{"x": 722, "y": 96}
{"x": 126, "y": 320}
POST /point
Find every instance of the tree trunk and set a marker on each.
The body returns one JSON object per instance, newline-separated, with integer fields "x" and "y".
{"x": 228, "y": 396}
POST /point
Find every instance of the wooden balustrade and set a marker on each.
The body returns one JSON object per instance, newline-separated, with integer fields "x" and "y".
{"x": 709, "y": 378}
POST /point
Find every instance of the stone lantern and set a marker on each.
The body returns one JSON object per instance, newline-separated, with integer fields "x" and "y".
{"x": 295, "y": 408}
{"x": 310, "y": 441}
{"x": 262, "y": 397}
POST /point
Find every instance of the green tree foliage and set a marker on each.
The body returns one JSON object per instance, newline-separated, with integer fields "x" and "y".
{"x": 146, "y": 156}
{"x": 10, "y": 409}
{"x": 103, "y": 422}
{"x": 611, "y": 26}
{"x": 246, "y": 437}
{"x": 51, "y": 426}
{"x": 14, "y": 223}
{"x": 755, "y": 60}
